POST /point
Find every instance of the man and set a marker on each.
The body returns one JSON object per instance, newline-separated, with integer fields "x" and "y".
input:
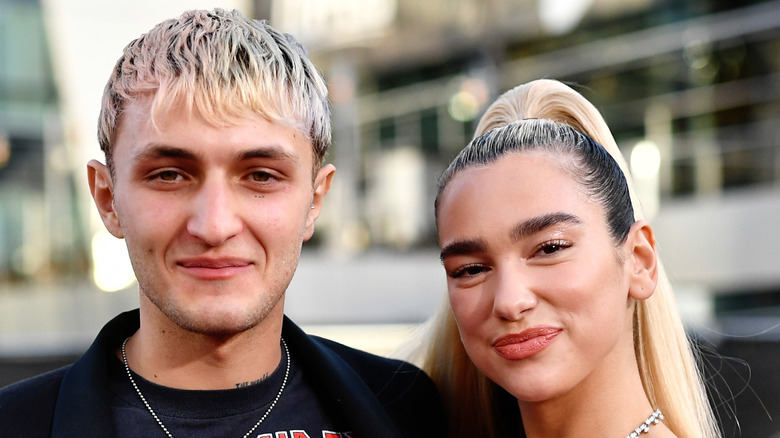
{"x": 214, "y": 129}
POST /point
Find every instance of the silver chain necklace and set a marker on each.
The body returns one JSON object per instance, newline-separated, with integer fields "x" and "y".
{"x": 652, "y": 420}
{"x": 165, "y": 429}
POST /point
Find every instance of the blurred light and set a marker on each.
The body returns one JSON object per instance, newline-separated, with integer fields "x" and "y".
{"x": 111, "y": 268}
{"x": 471, "y": 97}
{"x": 697, "y": 50}
{"x": 5, "y": 150}
{"x": 698, "y": 55}
{"x": 463, "y": 106}
{"x": 558, "y": 17}
{"x": 399, "y": 208}
{"x": 645, "y": 166}
{"x": 645, "y": 160}
{"x": 477, "y": 88}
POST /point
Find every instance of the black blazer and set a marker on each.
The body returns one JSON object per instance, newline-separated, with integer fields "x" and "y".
{"x": 378, "y": 397}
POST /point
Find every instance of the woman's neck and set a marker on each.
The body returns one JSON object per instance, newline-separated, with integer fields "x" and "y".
{"x": 610, "y": 402}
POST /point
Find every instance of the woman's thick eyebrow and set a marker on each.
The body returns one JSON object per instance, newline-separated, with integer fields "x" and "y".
{"x": 523, "y": 229}
{"x": 462, "y": 247}
{"x": 536, "y": 224}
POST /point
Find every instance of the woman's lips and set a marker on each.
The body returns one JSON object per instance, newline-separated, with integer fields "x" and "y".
{"x": 517, "y": 346}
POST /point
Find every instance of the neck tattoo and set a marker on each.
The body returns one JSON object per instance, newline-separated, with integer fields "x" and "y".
{"x": 165, "y": 429}
{"x": 652, "y": 420}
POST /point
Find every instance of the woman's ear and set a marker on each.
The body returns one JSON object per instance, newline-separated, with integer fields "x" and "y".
{"x": 102, "y": 188}
{"x": 642, "y": 261}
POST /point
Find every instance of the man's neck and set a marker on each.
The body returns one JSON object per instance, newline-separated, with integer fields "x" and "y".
{"x": 168, "y": 355}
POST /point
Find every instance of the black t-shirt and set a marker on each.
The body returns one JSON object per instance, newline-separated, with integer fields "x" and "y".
{"x": 222, "y": 413}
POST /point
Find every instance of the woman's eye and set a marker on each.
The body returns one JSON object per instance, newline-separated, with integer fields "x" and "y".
{"x": 468, "y": 271}
{"x": 552, "y": 247}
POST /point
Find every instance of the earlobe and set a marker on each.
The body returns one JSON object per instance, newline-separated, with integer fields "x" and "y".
{"x": 101, "y": 187}
{"x": 643, "y": 261}
{"x": 321, "y": 187}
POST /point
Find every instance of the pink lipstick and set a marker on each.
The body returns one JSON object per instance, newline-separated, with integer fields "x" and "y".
{"x": 517, "y": 346}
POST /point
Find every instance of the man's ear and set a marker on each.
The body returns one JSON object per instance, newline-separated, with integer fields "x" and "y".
{"x": 642, "y": 261}
{"x": 321, "y": 186}
{"x": 101, "y": 186}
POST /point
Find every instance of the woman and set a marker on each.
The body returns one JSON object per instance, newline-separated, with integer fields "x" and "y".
{"x": 564, "y": 312}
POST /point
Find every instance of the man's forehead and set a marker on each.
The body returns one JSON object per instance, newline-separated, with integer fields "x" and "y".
{"x": 143, "y": 111}
{"x": 178, "y": 127}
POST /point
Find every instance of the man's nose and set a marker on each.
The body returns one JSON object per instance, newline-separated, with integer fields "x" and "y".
{"x": 215, "y": 214}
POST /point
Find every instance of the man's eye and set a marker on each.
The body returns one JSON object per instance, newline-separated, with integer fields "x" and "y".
{"x": 261, "y": 176}
{"x": 168, "y": 175}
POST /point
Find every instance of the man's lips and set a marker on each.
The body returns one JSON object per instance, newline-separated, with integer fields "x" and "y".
{"x": 517, "y": 346}
{"x": 214, "y": 269}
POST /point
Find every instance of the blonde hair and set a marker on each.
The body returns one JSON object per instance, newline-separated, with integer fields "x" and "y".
{"x": 666, "y": 359}
{"x": 222, "y": 66}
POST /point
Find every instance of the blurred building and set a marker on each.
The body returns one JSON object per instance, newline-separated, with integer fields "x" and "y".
{"x": 690, "y": 89}
{"x": 40, "y": 233}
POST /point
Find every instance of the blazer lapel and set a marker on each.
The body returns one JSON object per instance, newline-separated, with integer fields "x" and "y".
{"x": 84, "y": 403}
{"x": 340, "y": 385}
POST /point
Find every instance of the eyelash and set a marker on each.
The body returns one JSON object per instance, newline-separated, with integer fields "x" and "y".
{"x": 164, "y": 173}
{"x": 463, "y": 271}
{"x": 266, "y": 176}
{"x": 553, "y": 246}
{"x": 545, "y": 249}
{"x": 258, "y": 176}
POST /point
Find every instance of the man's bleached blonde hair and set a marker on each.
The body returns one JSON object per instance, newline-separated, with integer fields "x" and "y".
{"x": 221, "y": 66}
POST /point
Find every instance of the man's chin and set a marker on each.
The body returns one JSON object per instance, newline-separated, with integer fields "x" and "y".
{"x": 216, "y": 324}
{"x": 222, "y": 317}
{"x": 217, "y": 330}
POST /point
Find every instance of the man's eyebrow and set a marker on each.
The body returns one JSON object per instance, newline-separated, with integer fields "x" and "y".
{"x": 272, "y": 152}
{"x": 534, "y": 225}
{"x": 155, "y": 151}
{"x": 462, "y": 247}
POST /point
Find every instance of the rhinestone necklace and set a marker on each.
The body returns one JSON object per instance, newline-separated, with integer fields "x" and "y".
{"x": 652, "y": 420}
{"x": 165, "y": 429}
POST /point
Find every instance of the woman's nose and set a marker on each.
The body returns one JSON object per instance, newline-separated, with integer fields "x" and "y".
{"x": 513, "y": 296}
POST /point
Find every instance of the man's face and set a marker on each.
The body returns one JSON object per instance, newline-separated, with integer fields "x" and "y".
{"x": 213, "y": 216}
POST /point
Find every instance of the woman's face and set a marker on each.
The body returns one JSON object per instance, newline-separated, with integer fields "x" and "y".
{"x": 539, "y": 290}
